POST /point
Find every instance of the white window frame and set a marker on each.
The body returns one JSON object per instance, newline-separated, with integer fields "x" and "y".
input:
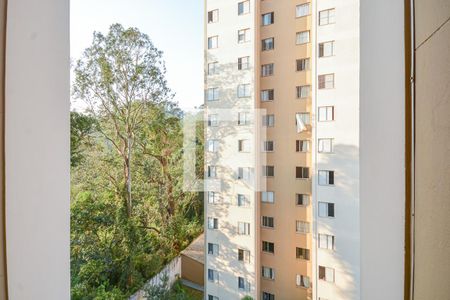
{"x": 302, "y": 227}
{"x": 303, "y": 10}
{"x": 243, "y": 35}
{"x": 325, "y": 145}
{"x": 213, "y": 42}
{"x": 267, "y": 70}
{"x": 268, "y": 120}
{"x": 326, "y": 241}
{"x": 245, "y": 8}
{"x": 328, "y": 272}
{"x": 268, "y": 197}
{"x": 243, "y": 63}
{"x": 268, "y": 95}
{"x": 327, "y": 16}
{"x": 242, "y": 200}
{"x": 324, "y": 177}
{"x": 212, "y": 145}
{"x": 243, "y": 118}
{"x": 211, "y": 171}
{"x": 214, "y": 14}
{"x": 243, "y": 90}
{"x": 213, "y": 120}
{"x": 303, "y": 91}
{"x": 325, "y": 113}
{"x": 215, "y": 276}
{"x": 326, "y": 49}
{"x": 213, "y": 68}
{"x": 213, "y": 223}
{"x": 265, "y": 146}
{"x": 302, "y": 281}
{"x": 266, "y": 221}
{"x": 267, "y": 273}
{"x": 267, "y": 19}
{"x": 265, "y": 43}
{"x": 326, "y": 81}
{"x": 213, "y": 197}
{"x": 302, "y": 37}
{"x": 213, "y": 249}
{"x": 305, "y": 199}
{"x": 245, "y": 255}
{"x": 212, "y": 94}
{"x": 304, "y": 64}
{"x": 302, "y": 146}
{"x": 325, "y": 210}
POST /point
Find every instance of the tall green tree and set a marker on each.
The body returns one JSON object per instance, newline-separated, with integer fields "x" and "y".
{"x": 130, "y": 214}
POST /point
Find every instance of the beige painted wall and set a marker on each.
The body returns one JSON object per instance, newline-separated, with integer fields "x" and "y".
{"x": 284, "y": 157}
{"x": 432, "y": 157}
{"x": 192, "y": 270}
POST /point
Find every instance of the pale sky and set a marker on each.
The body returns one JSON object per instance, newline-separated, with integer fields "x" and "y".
{"x": 175, "y": 27}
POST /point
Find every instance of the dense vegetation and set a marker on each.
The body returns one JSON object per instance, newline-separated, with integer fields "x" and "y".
{"x": 129, "y": 212}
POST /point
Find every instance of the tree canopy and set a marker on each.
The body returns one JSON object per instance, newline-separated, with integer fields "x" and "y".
{"x": 129, "y": 213}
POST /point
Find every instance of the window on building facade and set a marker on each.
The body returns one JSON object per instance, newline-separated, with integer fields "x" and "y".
{"x": 268, "y": 146}
{"x": 243, "y": 118}
{"x": 304, "y": 117}
{"x": 302, "y": 10}
{"x": 212, "y": 172}
{"x": 244, "y": 173}
{"x": 213, "y": 145}
{"x": 212, "y": 120}
{"x": 267, "y": 70}
{"x": 301, "y": 145}
{"x": 268, "y": 171}
{"x": 243, "y": 228}
{"x": 302, "y": 253}
{"x": 213, "y": 68}
{"x": 326, "y": 209}
{"x": 268, "y": 120}
{"x": 302, "y": 227}
{"x": 213, "y": 42}
{"x": 213, "y": 197}
{"x": 268, "y": 296}
{"x": 213, "y": 223}
{"x": 268, "y": 19}
{"x": 212, "y": 94}
{"x": 243, "y": 63}
{"x": 243, "y": 8}
{"x": 301, "y": 199}
{"x": 213, "y": 249}
{"x": 326, "y": 274}
{"x": 268, "y": 273}
{"x": 268, "y": 247}
{"x": 211, "y": 297}
{"x": 326, "y": 81}
{"x": 213, "y": 16}
{"x": 267, "y": 222}
{"x": 326, "y": 113}
{"x": 268, "y": 197}
{"x": 244, "y": 35}
{"x": 326, "y": 16}
{"x": 267, "y": 95}
{"x": 326, "y": 49}
{"x": 268, "y": 44}
{"x": 243, "y": 90}
{"x": 302, "y": 64}
{"x": 326, "y": 177}
{"x": 242, "y": 200}
{"x": 302, "y": 281}
{"x": 302, "y": 37}
{"x": 326, "y": 241}
{"x": 301, "y": 172}
{"x": 325, "y": 145}
{"x": 244, "y": 146}
{"x": 243, "y": 284}
{"x": 213, "y": 275}
{"x": 243, "y": 255}
{"x": 303, "y": 91}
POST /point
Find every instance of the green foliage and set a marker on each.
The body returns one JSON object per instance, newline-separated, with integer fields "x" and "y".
{"x": 81, "y": 126}
{"x": 129, "y": 213}
{"x": 163, "y": 291}
{"x": 247, "y": 298}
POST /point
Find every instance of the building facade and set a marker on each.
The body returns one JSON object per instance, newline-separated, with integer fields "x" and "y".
{"x": 292, "y": 68}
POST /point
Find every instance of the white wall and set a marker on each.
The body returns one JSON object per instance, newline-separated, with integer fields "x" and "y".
{"x": 228, "y": 159}
{"x": 382, "y": 149}
{"x": 37, "y": 149}
{"x": 345, "y": 159}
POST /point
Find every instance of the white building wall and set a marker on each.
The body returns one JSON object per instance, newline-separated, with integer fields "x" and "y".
{"x": 344, "y": 161}
{"x": 228, "y": 159}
